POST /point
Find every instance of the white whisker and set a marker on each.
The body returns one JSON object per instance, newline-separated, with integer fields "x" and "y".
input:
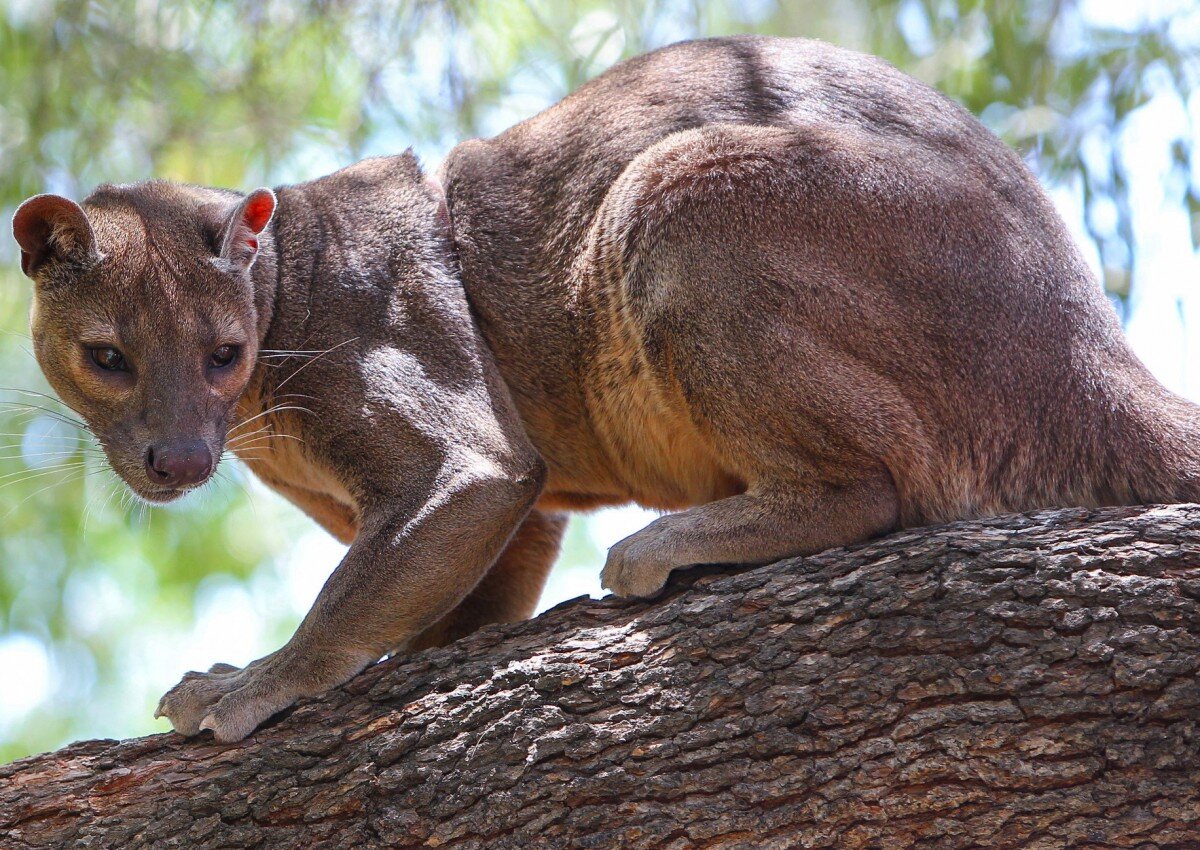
{"x": 308, "y": 363}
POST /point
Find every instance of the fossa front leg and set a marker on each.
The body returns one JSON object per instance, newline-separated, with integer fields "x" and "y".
{"x": 512, "y": 587}
{"x": 404, "y": 570}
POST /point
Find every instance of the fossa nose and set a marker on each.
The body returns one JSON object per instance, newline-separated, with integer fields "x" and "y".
{"x": 179, "y": 464}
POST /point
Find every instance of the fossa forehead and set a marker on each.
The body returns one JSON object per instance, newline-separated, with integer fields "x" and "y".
{"x": 125, "y": 235}
{"x": 150, "y": 258}
{"x": 177, "y": 327}
{"x": 121, "y": 233}
{"x": 159, "y": 215}
{"x": 140, "y": 290}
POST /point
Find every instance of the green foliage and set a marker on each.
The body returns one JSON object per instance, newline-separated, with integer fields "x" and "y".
{"x": 237, "y": 94}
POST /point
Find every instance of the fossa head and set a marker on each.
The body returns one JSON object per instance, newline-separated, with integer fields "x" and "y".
{"x": 145, "y": 321}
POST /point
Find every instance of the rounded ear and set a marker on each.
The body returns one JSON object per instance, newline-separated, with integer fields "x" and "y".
{"x": 52, "y": 228}
{"x": 239, "y": 240}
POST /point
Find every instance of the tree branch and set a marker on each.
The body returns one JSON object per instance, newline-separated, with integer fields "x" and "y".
{"x": 1022, "y": 681}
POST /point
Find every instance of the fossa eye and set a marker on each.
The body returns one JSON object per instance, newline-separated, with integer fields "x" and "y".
{"x": 109, "y": 359}
{"x": 223, "y": 356}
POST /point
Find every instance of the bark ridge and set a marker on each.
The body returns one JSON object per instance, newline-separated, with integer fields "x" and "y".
{"x": 1024, "y": 681}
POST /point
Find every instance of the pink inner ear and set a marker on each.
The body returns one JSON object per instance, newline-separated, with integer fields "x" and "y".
{"x": 258, "y": 212}
{"x": 34, "y": 221}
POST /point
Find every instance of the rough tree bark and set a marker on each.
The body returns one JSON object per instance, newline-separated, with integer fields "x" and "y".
{"x": 1018, "y": 682}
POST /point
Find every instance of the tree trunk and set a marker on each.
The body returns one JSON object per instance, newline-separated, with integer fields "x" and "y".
{"x": 1024, "y": 682}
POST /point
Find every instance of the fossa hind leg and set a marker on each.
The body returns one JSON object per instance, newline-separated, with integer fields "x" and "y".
{"x": 734, "y": 308}
{"x": 753, "y": 528}
{"x": 511, "y": 589}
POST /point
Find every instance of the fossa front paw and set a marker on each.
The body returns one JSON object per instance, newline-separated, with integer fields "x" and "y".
{"x": 229, "y": 701}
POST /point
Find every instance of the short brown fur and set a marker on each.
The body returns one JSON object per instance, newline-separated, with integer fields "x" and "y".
{"x": 776, "y": 286}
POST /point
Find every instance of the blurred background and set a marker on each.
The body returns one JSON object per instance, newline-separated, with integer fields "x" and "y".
{"x": 103, "y": 603}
